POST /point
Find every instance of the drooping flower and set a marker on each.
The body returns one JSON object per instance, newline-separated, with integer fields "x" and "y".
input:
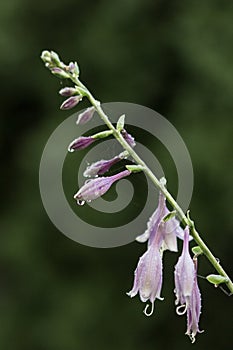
{"x": 148, "y": 276}
{"x": 81, "y": 143}
{"x": 95, "y": 188}
{"x": 85, "y": 116}
{"x": 184, "y": 277}
{"x": 128, "y": 138}
{"x": 170, "y": 229}
{"x": 194, "y": 309}
{"x": 71, "y": 102}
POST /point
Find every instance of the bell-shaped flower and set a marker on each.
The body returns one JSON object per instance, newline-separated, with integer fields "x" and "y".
{"x": 95, "y": 188}
{"x": 148, "y": 276}
{"x": 170, "y": 229}
{"x": 81, "y": 143}
{"x": 184, "y": 277}
{"x": 194, "y": 309}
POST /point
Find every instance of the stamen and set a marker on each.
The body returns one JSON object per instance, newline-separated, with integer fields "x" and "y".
{"x": 152, "y": 309}
{"x": 182, "y": 312}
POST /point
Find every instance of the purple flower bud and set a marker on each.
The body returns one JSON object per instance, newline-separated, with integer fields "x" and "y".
{"x": 148, "y": 276}
{"x": 128, "y": 138}
{"x": 80, "y": 143}
{"x": 194, "y": 310}
{"x": 87, "y": 115}
{"x": 73, "y": 68}
{"x": 95, "y": 188}
{"x": 184, "y": 277}
{"x": 100, "y": 167}
{"x": 67, "y": 91}
{"x": 71, "y": 102}
{"x": 60, "y": 73}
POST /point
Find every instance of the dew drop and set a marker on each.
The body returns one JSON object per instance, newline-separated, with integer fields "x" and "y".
{"x": 80, "y": 202}
{"x": 86, "y": 182}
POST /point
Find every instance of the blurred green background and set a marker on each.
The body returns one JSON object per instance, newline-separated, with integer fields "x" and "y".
{"x": 175, "y": 57}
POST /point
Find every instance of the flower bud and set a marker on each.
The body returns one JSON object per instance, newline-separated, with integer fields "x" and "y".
{"x": 80, "y": 143}
{"x": 128, "y": 138}
{"x": 86, "y": 116}
{"x": 67, "y": 91}
{"x": 71, "y": 102}
{"x": 60, "y": 73}
{"x": 73, "y": 68}
{"x": 100, "y": 167}
{"x": 95, "y": 188}
{"x": 55, "y": 58}
{"x": 46, "y": 56}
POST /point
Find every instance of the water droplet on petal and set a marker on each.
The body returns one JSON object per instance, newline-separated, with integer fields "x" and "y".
{"x": 86, "y": 182}
{"x": 80, "y": 202}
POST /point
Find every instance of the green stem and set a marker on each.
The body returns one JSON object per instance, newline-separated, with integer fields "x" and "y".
{"x": 185, "y": 219}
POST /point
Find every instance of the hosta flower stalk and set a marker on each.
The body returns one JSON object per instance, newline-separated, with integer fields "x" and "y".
{"x": 163, "y": 228}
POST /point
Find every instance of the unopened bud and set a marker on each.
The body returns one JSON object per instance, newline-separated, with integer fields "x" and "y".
{"x": 46, "y": 56}
{"x": 60, "y": 73}
{"x": 73, "y": 68}
{"x": 71, "y": 102}
{"x": 67, "y": 91}
{"x": 86, "y": 116}
{"x": 55, "y": 58}
{"x": 128, "y": 138}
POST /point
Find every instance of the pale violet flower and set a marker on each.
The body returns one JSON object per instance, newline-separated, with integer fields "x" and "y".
{"x": 148, "y": 276}
{"x": 170, "y": 229}
{"x": 71, "y": 102}
{"x": 67, "y": 91}
{"x": 100, "y": 167}
{"x": 95, "y": 188}
{"x": 128, "y": 138}
{"x": 194, "y": 310}
{"x": 184, "y": 277}
{"x": 81, "y": 143}
{"x": 85, "y": 116}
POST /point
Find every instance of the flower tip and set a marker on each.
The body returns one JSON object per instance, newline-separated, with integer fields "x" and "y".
{"x": 151, "y": 311}
{"x": 70, "y": 149}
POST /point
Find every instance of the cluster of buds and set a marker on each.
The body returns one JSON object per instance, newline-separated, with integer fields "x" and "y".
{"x": 97, "y": 186}
{"x": 161, "y": 234}
{"x": 71, "y": 71}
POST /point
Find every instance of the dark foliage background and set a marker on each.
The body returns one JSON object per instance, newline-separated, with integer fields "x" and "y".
{"x": 175, "y": 57}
